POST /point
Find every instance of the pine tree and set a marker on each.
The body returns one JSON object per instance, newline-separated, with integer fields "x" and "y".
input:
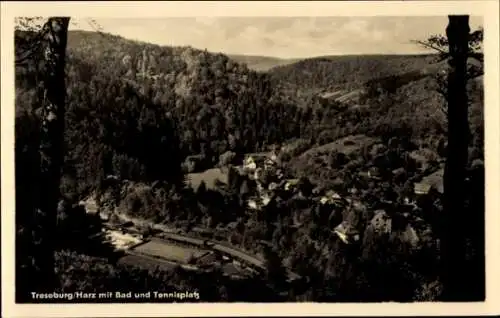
{"x": 51, "y": 148}
{"x": 453, "y": 239}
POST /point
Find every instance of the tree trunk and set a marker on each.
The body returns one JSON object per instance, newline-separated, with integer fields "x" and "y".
{"x": 453, "y": 231}
{"x": 51, "y": 150}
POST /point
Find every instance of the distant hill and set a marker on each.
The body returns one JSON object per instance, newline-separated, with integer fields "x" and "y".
{"x": 261, "y": 63}
{"x": 346, "y": 79}
{"x": 332, "y": 71}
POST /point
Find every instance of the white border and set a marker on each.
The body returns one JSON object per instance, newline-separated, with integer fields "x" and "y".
{"x": 488, "y": 9}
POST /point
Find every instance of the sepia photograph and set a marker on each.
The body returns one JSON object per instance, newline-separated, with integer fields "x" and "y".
{"x": 248, "y": 159}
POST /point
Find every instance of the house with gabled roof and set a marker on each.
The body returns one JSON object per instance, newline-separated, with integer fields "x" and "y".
{"x": 291, "y": 183}
{"x": 431, "y": 182}
{"x": 421, "y": 188}
{"x": 346, "y": 233}
{"x": 381, "y": 222}
{"x": 254, "y": 160}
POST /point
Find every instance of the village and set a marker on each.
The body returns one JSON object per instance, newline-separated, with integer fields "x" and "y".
{"x": 265, "y": 183}
{"x": 270, "y": 184}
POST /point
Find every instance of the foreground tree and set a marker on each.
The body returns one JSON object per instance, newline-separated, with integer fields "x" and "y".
{"x": 50, "y": 42}
{"x": 453, "y": 238}
{"x": 463, "y": 50}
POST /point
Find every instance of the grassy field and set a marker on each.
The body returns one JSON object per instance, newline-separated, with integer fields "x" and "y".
{"x": 145, "y": 263}
{"x": 345, "y": 145}
{"x": 168, "y": 251}
{"x": 314, "y": 163}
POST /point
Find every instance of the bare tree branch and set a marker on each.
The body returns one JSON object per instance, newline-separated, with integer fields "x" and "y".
{"x": 430, "y": 46}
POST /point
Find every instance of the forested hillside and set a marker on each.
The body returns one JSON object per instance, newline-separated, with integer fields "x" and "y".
{"x": 183, "y": 98}
{"x": 144, "y": 108}
{"x": 347, "y": 71}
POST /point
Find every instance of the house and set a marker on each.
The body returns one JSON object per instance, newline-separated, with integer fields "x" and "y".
{"x": 266, "y": 198}
{"x": 193, "y": 163}
{"x": 421, "y": 157}
{"x": 381, "y": 222}
{"x": 410, "y": 236}
{"x": 398, "y": 171}
{"x": 324, "y": 200}
{"x": 477, "y": 163}
{"x": 232, "y": 270}
{"x": 364, "y": 174}
{"x": 252, "y": 204}
{"x": 268, "y": 163}
{"x": 257, "y": 175}
{"x": 279, "y": 174}
{"x": 374, "y": 173}
{"x": 331, "y": 197}
{"x": 421, "y": 188}
{"x": 342, "y": 236}
{"x": 273, "y": 186}
{"x": 436, "y": 180}
{"x": 353, "y": 190}
{"x": 249, "y": 164}
{"x": 433, "y": 181}
{"x": 254, "y": 160}
{"x": 409, "y": 201}
{"x": 291, "y": 183}
{"x": 260, "y": 187}
{"x": 274, "y": 157}
{"x": 371, "y": 173}
{"x": 317, "y": 191}
{"x": 208, "y": 259}
{"x": 346, "y": 233}
{"x": 210, "y": 177}
{"x": 90, "y": 206}
{"x": 271, "y": 161}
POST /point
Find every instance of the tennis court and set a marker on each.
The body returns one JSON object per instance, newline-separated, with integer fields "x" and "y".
{"x": 166, "y": 250}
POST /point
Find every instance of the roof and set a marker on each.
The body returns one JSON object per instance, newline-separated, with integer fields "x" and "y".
{"x": 342, "y": 236}
{"x": 346, "y": 232}
{"x": 410, "y": 235}
{"x": 272, "y": 186}
{"x": 381, "y": 221}
{"x": 209, "y": 176}
{"x": 421, "y": 187}
{"x": 198, "y": 157}
{"x": 435, "y": 180}
{"x": 253, "y": 204}
{"x": 477, "y": 162}
{"x": 258, "y": 155}
{"x": 332, "y": 94}
{"x": 232, "y": 270}
{"x": 90, "y": 205}
{"x": 364, "y": 174}
{"x": 333, "y": 194}
{"x": 398, "y": 170}
{"x": 208, "y": 259}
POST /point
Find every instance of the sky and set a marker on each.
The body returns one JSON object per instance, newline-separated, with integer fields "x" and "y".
{"x": 283, "y": 37}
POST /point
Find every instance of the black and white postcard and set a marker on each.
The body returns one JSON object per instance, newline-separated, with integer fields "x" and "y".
{"x": 279, "y": 157}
